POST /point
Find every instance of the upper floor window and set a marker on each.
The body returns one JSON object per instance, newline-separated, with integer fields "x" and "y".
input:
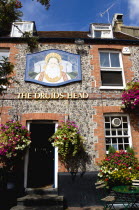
{"x": 4, "y": 52}
{"x": 117, "y": 132}
{"x": 111, "y": 69}
{"x": 102, "y": 31}
{"x": 18, "y": 28}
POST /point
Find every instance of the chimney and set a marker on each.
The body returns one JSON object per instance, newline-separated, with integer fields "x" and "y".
{"x": 117, "y": 22}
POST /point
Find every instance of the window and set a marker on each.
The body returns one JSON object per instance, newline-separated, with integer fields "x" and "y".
{"x": 101, "y": 31}
{"x": 117, "y": 132}
{"x": 111, "y": 69}
{"x": 4, "y": 53}
{"x": 18, "y": 28}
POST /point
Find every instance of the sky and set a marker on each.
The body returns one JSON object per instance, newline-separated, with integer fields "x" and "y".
{"x": 76, "y": 15}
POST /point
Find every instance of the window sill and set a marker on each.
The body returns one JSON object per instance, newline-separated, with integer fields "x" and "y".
{"x": 111, "y": 87}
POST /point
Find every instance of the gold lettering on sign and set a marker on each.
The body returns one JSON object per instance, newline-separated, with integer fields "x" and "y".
{"x": 53, "y": 95}
{"x": 69, "y": 95}
{"x": 61, "y": 95}
{"x": 37, "y": 95}
{"x": 75, "y": 95}
{"x": 47, "y": 96}
{"x": 85, "y": 95}
{"x": 42, "y": 95}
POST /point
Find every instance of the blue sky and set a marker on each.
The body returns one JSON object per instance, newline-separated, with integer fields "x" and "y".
{"x": 76, "y": 15}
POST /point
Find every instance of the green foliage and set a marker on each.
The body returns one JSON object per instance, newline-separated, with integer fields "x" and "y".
{"x": 68, "y": 140}
{"x": 31, "y": 40}
{"x": 46, "y": 3}
{"x": 111, "y": 150}
{"x": 130, "y": 150}
{"x": 14, "y": 139}
{"x": 9, "y": 13}
{"x": 119, "y": 168}
{"x": 6, "y": 69}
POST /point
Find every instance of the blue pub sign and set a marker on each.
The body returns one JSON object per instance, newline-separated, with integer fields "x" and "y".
{"x": 53, "y": 68}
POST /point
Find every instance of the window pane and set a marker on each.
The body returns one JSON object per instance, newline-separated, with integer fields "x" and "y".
{"x": 124, "y": 119}
{"x": 126, "y": 140}
{"x": 119, "y": 132}
{"x": 108, "y": 141}
{"x": 104, "y": 60}
{"x": 121, "y": 147}
{"x": 97, "y": 34}
{"x": 110, "y": 78}
{"x": 113, "y": 132}
{"x": 107, "y": 119}
{"x": 114, "y": 140}
{"x": 125, "y": 125}
{"x": 115, "y": 146}
{"x": 120, "y": 140}
{"x": 126, "y": 146}
{"x": 107, "y": 125}
{"x": 115, "y": 60}
{"x": 4, "y": 53}
{"x": 107, "y": 133}
{"x": 125, "y": 132}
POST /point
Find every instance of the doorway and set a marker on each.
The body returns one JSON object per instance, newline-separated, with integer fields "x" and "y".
{"x": 41, "y": 157}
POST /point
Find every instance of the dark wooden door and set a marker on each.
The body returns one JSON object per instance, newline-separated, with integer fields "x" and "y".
{"x": 41, "y": 156}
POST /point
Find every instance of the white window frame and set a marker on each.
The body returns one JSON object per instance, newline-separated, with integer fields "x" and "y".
{"x": 3, "y": 52}
{"x": 118, "y": 136}
{"x": 26, "y": 160}
{"x": 102, "y": 29}
{"x": 114, "y": 69}
{"x": 21, "y": 30}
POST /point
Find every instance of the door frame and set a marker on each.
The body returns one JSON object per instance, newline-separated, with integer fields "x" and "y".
{"x": 26, "y": 161}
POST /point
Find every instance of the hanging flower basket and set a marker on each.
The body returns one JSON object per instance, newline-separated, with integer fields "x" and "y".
{"x": 70, "y": 144}
{"x": 14, "y": 140}
{"x": 130, "y": 97}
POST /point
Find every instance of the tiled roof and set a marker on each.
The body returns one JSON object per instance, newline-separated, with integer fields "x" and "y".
{"x": 79, "y": 34}
{"x": 63, "y": 34}
{"x": 124, "y": 36}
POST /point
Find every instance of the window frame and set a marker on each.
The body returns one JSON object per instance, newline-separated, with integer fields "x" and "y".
{"x": 112, "y": 69}
{"x": 122, "y": 129}
{"x": 7, "y": 50}
{"x": 102, "y": 29}
{"x": 4, "y": 50}
{"x": 22, "y": 28}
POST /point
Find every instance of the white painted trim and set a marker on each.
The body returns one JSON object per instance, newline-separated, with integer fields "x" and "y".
{"x": 129, "y": 127}
{"x": 112, "y": 87}
{"x": 56, "y": 164}
{"x": 26, "y": 162}
{"x": 114, "y": 69}
{"x": 55, "y": 160}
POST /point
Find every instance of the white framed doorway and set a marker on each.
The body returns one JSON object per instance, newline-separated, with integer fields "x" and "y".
{"x": 32, "y": 165}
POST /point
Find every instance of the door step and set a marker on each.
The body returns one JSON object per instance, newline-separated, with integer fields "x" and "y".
{"x": 40, "y": 199}
{"x": 41, "y": 191}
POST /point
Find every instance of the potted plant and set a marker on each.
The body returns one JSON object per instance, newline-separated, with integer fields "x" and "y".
{"x": 14, "y": 140}
{"x": 70, "y": 144}
{"x": 119, "y": 168}
{"x": 130, "y": 97}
